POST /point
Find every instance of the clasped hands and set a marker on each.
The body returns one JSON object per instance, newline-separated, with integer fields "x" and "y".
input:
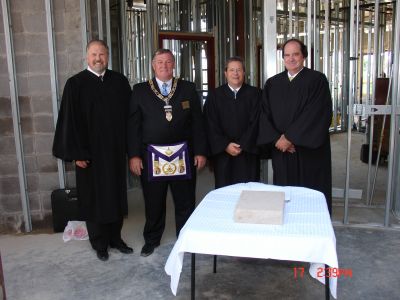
{"x": 233, "y": 149}
{"x": 284, "y": 145}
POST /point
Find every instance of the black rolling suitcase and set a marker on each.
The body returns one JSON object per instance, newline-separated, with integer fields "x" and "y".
{"x": 64, "y": 204}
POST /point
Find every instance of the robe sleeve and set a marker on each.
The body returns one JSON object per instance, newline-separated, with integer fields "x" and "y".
{"x": 267, "y": 133}
{"x": 248, "y": 139}
{"x": 67, "y": 144}
{"x": 216, "y": 138}
{"x": 311, "y": 128}
{"x": 134, "y": 125}
{"x": 200, "y": 146}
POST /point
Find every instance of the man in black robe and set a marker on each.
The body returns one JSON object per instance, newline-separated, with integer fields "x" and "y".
{"x": 231, "y": 113}
{"x": 165, "y": 113}
{"x": 295, "y": 119}
{"x": 91, "y": 130}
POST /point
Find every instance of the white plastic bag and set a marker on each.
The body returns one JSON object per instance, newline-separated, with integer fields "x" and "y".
{"x": 75, "y": 230}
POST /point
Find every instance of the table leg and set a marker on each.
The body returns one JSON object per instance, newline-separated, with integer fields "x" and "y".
{"x": 2, "y": 286}
{"x": 192, "y": 285}
{"x": 215, "y": 264}
{"x": 327, "y": 290}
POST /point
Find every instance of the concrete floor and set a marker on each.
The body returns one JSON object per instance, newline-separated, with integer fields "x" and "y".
{"x": 42, "y": 266}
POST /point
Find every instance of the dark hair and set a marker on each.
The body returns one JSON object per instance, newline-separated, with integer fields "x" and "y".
{"x": 162, "y": 51}
{"x": 235, "y": 58}
{"x": 303, "y": 48}
{"x": 97, "y": 41}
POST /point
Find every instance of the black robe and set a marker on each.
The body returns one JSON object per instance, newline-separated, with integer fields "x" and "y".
{"x": 92, "y": 126}
{"x": 300, "y": 109}
{"x": 233, "y": 120}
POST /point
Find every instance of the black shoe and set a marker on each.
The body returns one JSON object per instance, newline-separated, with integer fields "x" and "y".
{"x": 123, "y": 248}
{"x": 148, "y": 249}
{"x": 102, "y": 255}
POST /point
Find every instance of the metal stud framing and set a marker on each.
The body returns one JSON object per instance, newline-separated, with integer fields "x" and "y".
{"x": 53, "y": 80}
{"x": 15, "y": 114}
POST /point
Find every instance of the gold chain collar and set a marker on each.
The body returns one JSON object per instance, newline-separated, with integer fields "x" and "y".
{"x": 159, "y": 95}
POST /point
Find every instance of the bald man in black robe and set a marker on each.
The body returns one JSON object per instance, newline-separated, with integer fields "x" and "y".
{"x": 231, "y": 113}
{"x": 295, "y": 120}
{"x": 91, "y": 131}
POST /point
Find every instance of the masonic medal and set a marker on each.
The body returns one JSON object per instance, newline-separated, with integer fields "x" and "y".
{"x": 167, "y": 106}
{"x": 168, "y": 112}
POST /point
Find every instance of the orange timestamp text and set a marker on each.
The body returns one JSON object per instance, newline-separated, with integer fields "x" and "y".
{"x": 298, "y": 272}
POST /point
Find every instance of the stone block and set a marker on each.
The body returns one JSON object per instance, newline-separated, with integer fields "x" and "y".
{"x": 28, "y": 144}
{"x": 72, "y": 6}
{"x": 20, "y": 43}
{"x": 37, "y": 43}
{"x": 59, "y": 5}
{"x": 24, "y": 106}
{"x": 73, "y": 41}
{"x": 6, "y": 126}
{"x": 75, "y": 62}
{"x": 260, "y": 207}
{"x": 45, "y": 199}
{"x": 17, "y": 26}
{"x": 11, "y": 222}
{"x": 5, "y": 107}
{"x": 4, "y": 86}
{"x": 2, "y": 40}
{"x": 9, "y": 185}
{"x": 7, "y": 145}
{"x": 43, "y": 124}
{"x": 23, "y": 86}
{"x": 59, "y": 21}
{"x": 48, "y": 182}
{"x": 30, "y": 164}
{"x": 3, "y": 58}
{"x": 72, "y": 22}
{"x": 42, "y": 221}
{"x": 62, "y": 79}
{"x": 11, "y": 203}
{"x": 42, "y": 105}
{"x": 34, "y": 22}
{"x": 33, "y": 183}
{"x": 1, "y": 23}
{"x": 8, "y": 165}
{"x": 21, "y": 64}
{"x": 47, "y": 163}
{"x": 39, "y": 63}
{"x": 39, "y": 85}
{"x": 43, "y": 143}
{"x": 34, "y": 201}
{"x": 26, "y": 125}
{"x": 62, "y": 61}
{"x": 26, "y": 6}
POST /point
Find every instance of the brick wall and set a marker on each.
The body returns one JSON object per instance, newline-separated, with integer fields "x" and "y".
{"x": 34, "y": 95}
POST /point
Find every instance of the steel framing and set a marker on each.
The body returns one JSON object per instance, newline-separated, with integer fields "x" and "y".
{"x": 15, "y": 114}
{"x": 54, "y": 81}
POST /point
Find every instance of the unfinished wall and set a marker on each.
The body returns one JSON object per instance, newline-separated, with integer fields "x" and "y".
{"x": 29, "y": 33}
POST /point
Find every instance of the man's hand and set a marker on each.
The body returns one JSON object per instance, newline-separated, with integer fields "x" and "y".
{"x": 136, "y": 165}
{"x": 291, "y": 149}
{"x": 200, "y": 161}
{"x": 82, "y": 163}
{"x": 284, "y": 145}
{"x": 233, "y": 149}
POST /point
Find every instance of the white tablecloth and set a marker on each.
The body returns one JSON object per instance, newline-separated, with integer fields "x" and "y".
{"x": 307, "y": 234}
